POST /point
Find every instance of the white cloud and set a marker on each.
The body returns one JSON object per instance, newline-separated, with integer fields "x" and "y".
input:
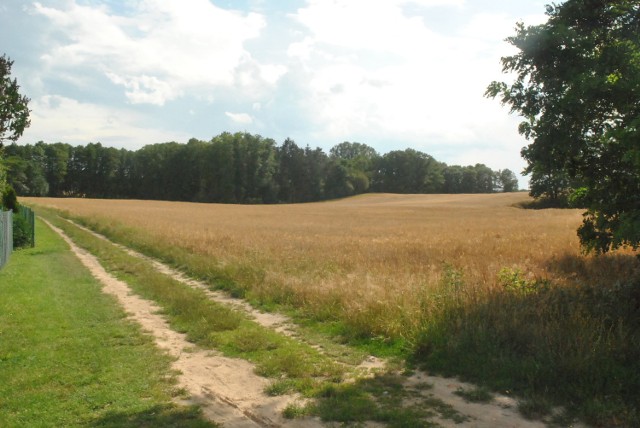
{"x": 163, "y": 49}
{"x": 431, "y": 3}
{"x": 145, "y": 89}
{"x": 374, "y": 70}
{"x": 364, "y": 25}
{"x": 57, "y": 118}
{"x": 241, "y": 118}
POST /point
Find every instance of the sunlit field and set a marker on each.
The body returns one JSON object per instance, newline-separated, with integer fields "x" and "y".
{"x": 364, "y": 256}
{"x": 466, "y": 285}
{"x": 360, "y": 251}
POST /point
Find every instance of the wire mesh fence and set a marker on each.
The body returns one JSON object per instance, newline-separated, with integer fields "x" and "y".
{"x": 6, "y": 236}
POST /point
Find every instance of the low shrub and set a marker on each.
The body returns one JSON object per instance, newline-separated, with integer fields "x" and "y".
{"x": 21, "y": 232}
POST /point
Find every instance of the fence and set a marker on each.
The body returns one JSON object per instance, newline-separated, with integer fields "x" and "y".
{"x": 6, "y": 231}
{"x": 6, "y": 236}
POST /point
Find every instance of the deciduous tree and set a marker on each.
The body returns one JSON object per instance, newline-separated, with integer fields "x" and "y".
{"x": 14, "y": 111}
{"x": 578, "y": 88}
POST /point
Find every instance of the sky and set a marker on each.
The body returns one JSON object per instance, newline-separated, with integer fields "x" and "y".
{"x": 392, "y": 74}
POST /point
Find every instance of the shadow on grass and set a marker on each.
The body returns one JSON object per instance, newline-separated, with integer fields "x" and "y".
{"x": 577, "y": 347}
{"x": 604, "y": 270}
{"x": 158, "y": 416}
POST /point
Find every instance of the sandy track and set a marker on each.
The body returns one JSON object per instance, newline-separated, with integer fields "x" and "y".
{"x": 277, "y": 322}
{"x": 227, "y": 389}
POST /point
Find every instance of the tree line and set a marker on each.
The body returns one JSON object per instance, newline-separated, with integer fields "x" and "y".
{"x": 238, "y": 168}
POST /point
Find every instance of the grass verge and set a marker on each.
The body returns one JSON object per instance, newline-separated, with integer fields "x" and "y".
{"x": 68, "y": 355}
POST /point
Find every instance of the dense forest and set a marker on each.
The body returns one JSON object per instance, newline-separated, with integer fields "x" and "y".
{"x": 238, "y": 168}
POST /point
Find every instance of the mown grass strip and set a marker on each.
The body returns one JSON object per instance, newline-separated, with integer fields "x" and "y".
{"x": 68, "y": 355}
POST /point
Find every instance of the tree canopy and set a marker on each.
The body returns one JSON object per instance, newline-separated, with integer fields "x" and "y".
{"x": 577, "y": 87}
{"x": 238, "y": 168}
{"x": 14, "y": 113}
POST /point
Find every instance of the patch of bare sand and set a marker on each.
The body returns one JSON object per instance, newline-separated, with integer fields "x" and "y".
{"x": 227, "y": 389}
{"x": 501, "y": 412}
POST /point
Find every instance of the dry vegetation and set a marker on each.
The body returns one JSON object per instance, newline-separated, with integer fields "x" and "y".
{"x": 370, "y": 255}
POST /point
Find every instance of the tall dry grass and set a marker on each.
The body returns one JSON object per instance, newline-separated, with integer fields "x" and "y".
{"x": 368, "y": 257}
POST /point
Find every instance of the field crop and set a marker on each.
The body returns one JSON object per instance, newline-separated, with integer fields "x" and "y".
{"x": 370, "y": 254}
{"x": 468, "y": 284}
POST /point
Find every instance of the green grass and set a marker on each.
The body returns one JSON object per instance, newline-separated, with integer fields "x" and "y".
{"x": 327, "y": 327}
{"x": 382, "y": 399}
{"x": 68, "y": 355}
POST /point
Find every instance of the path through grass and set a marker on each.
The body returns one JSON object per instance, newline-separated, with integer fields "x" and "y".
{"x": 292, "y": 365}
{"x": 68, "y": 355}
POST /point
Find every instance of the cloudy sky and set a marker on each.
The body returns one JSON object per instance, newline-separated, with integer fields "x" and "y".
{"x": 389, "y": 73}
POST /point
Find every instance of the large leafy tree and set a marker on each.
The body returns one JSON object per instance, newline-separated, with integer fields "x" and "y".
{"x": 577, "y": 85}
{"x": 14, "y": 112}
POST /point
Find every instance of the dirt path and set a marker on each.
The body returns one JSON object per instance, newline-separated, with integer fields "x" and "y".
{"x": 277, "y": 322}
{"x": 228, "y": 390}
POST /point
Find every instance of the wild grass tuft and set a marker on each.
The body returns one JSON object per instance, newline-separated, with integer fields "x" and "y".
{"x": 475, "y": 395}
{"x": 295, "y": 410}
{"x": 575, "y": 346}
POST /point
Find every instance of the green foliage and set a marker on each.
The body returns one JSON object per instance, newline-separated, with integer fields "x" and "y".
{"x": 513, "y": 281}
{"x": 507, "y": 181}
{"x": 408, "y": 171}
{"x": 10, "y": 200}
{"x": 238, "y": 168}
{"x": 578, "y": 89}
{"x": 14, "y": 111}
{"x": 21, "y": 232}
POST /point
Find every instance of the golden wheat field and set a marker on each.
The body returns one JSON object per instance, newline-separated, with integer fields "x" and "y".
{"x": 369, "y": 256}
